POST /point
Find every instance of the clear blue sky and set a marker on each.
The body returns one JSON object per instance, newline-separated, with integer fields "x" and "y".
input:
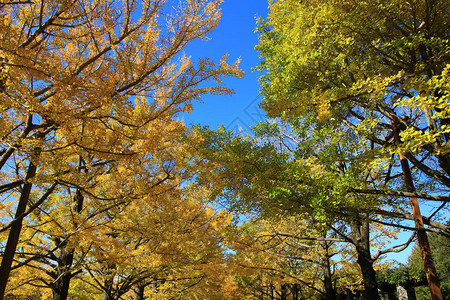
{"x": 234, "y": 35}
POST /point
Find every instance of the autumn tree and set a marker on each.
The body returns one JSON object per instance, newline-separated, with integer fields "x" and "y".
{"x": 56, "y": 231}
{"x": 168, "y": 244}
{"x": 306, "y": 168}
{"x": 382, "y": 67}
{"x": 90, "y": 89}
{"x": 165, "y": 246}
{"x": 293, "y": 257}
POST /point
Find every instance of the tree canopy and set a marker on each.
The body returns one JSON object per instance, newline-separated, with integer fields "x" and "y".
{"x": 354, "y": 85}
{"x": 90, "y": 91}
{"x": 106, "y": 194}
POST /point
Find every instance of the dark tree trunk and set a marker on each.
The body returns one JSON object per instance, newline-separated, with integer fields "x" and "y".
{"x": 391, "y": 293}
{"x": 109, "y": 292}
{"x": 139, "y": 292}
{"x": 284, "y": 290}
{"x": 107, "y": 289}
{"x": 330, "y": 292}
{"x": 14, "y": 232}
{"x": 60, "y": 287}
{"x": 368, "y": 273}
{"x": 294, "y": 290}
{"x": 360, "y": 237}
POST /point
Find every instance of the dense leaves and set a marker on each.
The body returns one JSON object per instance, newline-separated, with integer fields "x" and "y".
{"x": 441, "y": 249}
{"x": 380, "y": 69}
{"x": 105, "y": 194}
{"x": 342, "y": 79}
{"x": 91, "y": 150}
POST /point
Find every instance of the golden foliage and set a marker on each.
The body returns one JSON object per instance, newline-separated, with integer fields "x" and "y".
{"x": 89, "y": 93}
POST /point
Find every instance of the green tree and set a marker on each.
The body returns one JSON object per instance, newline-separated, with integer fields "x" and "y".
{"x": 380, "y": 68}
{"x": 303, "y": 168}
{"x": 441, "y": 255}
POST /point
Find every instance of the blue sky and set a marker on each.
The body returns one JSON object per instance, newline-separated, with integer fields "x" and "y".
{"x": 234, "y": 35}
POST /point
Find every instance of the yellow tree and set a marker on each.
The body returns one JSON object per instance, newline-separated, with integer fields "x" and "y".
{"x": 297, "y": 257}
{"x": 164, "y": 240}
{"x": 87, "y": 87}
{"x": 58, "y": 227}
{"x": 290, "y": 256}
{"x": 166, "y": 244}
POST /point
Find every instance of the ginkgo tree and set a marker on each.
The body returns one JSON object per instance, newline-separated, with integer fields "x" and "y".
{"x": 166, "y": 245}
{"x": 165, "y": 242}
{"x": 304, "y": 169}
{"x": 379, "y": 67}
{"x": 89, "y": 89}
{"x": 59, "y": 235}
{"x": 292, "y": 256}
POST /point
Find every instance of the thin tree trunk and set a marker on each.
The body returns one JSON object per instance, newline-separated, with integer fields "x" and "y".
{"x": 424, "y": 245}
{"x": 15, "y": 229}
{"x": 109, "y": 293}
{"x": 63, "y": 275}
{"x": 294, "y": 291}
{"x": 283, "y": 292}
{"x": 330, "y": 292}
{"x": 60, "y": 287}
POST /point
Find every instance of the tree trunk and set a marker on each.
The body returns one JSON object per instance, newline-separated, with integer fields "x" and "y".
{"x": 330, "y": 292}
{"x": 361, "y": 238}
{"x": 109, "y": 292}
{"x": 139, "y": 292}
{"x": 369, "y": 277}
{"x": 14, "y": 232}
{"x": 105, "y": 296}
{"x": 294, "y": 291}
{"x": 60, "y": 288}
{"x": 391, "y": 293}
{"x": 283, "y": 292}
{"x": 107, "y": 289}
{"x": 424, "y": 245}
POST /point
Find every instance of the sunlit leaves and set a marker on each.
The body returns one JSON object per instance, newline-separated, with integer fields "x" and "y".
{"x": 90, "y": 92}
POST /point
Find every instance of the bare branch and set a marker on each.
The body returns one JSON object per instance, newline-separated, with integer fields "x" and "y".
{"x": 396, "y": 248}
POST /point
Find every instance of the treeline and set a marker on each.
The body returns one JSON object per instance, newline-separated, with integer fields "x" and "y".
{"x": 106, "y": 195}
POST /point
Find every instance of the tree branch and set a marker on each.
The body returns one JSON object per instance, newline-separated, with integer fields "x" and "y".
{"x": 397, "y": 193}
{"x": 396, "y": 248}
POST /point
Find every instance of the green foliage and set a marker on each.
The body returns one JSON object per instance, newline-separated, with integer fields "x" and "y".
{"x": 362, "y": 69}
{"x": 354, "y": 63}
{"x": 401, "y": 275}
{"x": 319, "y": 53}
{"x": 440, "y": 246}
